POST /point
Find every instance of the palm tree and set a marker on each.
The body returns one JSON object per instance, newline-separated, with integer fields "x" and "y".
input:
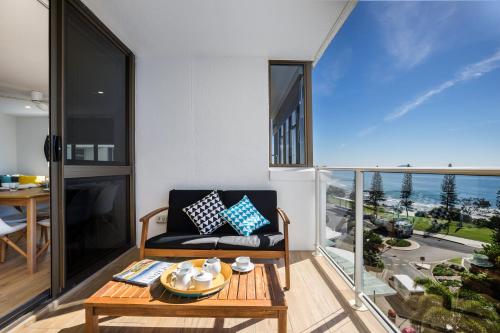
{"x": 406, "y": 192}
{"x": 376, "y": 192}
{"x": 448, "y": 197}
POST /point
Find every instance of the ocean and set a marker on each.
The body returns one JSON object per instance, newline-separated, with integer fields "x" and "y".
{"x": 426, "y": 187}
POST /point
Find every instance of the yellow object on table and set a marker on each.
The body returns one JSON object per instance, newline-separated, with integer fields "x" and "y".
{"x": 218, "y": 283}
{"x": 26, "y": 179}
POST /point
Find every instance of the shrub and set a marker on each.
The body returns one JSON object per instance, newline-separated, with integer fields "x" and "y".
{"x": 457, "y": 267}
{"x": 443, "y": 270}
{"x": 451, "y": 283}
{"x": 371, "y": 249}
{"x": 420, "y": 213}
{"x": 397, "y": 242}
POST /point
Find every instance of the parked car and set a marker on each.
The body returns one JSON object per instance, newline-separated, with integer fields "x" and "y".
{"x": 397, "y": 228}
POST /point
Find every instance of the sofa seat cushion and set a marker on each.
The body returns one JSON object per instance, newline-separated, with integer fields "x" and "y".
{"x": 172, "y": 240}
{"x": 270, "y": 242}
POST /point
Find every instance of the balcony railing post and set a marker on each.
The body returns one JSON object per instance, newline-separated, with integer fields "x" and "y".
{"x": 317, "y": 189}
{"x": 358, "y": 258}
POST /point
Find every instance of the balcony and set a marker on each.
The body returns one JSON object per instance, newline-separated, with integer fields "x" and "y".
{"x": 193, "y": 103}
{"x": 396, "y": 278}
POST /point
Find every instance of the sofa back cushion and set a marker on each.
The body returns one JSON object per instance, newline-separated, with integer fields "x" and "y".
{"x": 264, "y": 200}
{"x": 178, "y": 221}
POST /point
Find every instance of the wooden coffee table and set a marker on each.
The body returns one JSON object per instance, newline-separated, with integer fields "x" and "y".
{"x": 256, "y": 294}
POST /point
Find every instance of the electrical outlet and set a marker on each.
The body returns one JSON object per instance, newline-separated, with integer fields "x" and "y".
{"x": 161, "y": 218}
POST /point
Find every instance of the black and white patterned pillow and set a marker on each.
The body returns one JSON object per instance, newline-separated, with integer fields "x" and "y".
{"x": 205, "y": 213}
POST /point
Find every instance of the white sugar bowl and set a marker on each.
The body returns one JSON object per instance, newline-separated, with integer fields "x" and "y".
{"x": 202, "y": 280}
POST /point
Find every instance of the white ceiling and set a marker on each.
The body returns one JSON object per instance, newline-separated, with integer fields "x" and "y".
{"x": 21, "y": 108}
{"x": 277, "y": 29}
{"x": 24, "y": 45}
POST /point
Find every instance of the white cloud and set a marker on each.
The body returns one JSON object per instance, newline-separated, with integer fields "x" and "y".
{"x": 412, "y": 31}
{"x": 470, "y": 72}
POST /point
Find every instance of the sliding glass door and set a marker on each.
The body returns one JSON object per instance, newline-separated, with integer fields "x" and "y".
{"x": 93, "y": 141}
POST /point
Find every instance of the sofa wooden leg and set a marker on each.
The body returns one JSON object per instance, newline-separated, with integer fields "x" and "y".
{"x": 287, "y": 271}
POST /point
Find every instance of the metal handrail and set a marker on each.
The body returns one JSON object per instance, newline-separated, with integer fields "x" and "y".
{"x": 422, "y": 170}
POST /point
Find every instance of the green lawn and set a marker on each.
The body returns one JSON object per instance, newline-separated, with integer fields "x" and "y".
{"x": 469, "y": 231}
{"x": 456, "y": 260}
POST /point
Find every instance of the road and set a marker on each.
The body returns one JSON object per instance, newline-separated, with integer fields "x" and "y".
{"x": 433, "y": 249}
{"x": 397, "y": 261}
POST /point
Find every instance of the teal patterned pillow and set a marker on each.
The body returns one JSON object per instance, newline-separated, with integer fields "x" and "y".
{"x": 244, "y": 217}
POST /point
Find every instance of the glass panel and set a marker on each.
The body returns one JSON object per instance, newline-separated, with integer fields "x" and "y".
{"x": 431, "y": 257}
{"x": 95, "y": 101}
{"x": 338, "y": 232}
{"x": 287, "y": 96}
{"x": 97, "y": 224}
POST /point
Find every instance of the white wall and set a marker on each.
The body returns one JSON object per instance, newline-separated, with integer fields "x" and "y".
{"x": 31, "y": 133}
{"x": 8, "y": 153}
{"x": 202, "y": 122}
{"x": 296, "y": 195}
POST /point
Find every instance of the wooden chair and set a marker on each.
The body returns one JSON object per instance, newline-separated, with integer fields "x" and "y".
{"x": 44, "y": 236}
{"x": 7, "y": 229}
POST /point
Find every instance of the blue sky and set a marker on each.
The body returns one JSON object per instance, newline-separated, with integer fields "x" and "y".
{"x": 410, "y": 82}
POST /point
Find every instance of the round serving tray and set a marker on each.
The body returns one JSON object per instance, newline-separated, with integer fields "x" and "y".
{"x": 218, "y": 283}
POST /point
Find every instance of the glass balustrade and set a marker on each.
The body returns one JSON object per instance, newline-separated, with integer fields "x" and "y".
{"x": 431, "y": 245}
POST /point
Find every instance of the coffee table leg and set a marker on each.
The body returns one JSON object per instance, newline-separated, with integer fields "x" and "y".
{"x": 91, "y": 321}
{"x": 282, "y": 321}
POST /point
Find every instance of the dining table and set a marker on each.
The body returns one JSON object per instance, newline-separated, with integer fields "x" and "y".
{"x": 28, "y": 198}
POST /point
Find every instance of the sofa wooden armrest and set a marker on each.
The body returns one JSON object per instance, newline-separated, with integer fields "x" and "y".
{"x": 283, "y": 216}
{"x": 286, "y": 222}
{"x": 145, "y": 225}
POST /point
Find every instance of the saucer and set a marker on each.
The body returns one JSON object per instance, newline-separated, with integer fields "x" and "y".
{"x": 235, "y": 267}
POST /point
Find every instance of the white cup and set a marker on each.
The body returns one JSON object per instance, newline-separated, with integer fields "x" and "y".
{"x": 243, "y": 262}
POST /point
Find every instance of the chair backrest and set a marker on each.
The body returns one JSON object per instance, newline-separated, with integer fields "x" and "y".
{"x": 264, "y": 200}
{"x": 6, "y": 229}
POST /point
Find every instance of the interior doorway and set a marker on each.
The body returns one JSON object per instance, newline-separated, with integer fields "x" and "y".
{"x": 67, "y": 199}
{"x": 25, "y": 223}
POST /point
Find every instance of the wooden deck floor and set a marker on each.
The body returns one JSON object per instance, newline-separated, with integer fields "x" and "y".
{"x": 17, "y": 286}
{"x": 318, "y": 302}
